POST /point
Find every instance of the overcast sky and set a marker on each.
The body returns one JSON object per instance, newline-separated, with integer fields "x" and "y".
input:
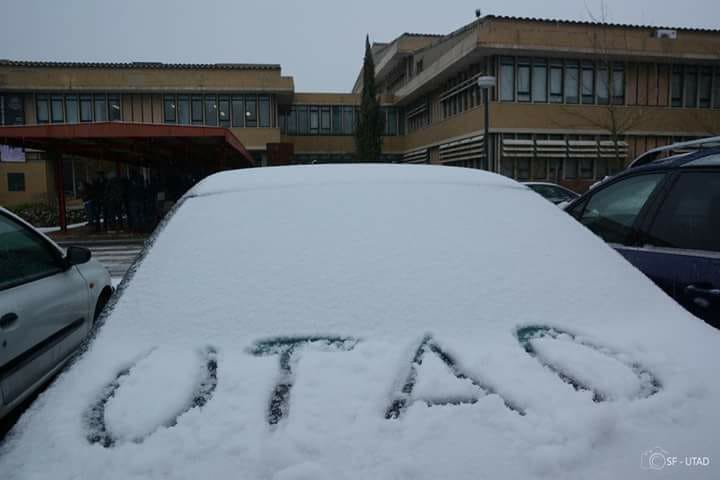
{"x": 319, "y": 42}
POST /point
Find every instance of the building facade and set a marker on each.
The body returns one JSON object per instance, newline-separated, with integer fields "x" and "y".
{"x": 574, "y": 101}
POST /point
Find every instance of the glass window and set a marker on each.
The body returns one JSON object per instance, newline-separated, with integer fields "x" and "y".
{"x": 676, "y": 89}
{"x": 24, "y": 256}
{"x": 100, "y": 108}
{"x": 611, "y": 212}
{"x": 556, "y": 87}
{"x": 618, "y": 84}
{"x": 507, "y": 165}
{"x": 348, "y": 126}
{"x": 170, "y": 109}
{"x": 43, "y": 109}
{"x": 251, "y": 119}
{"x": 539, "y": 81}
{"x": 587, "y": 86}
{"x": 586, "y": 168}
{"x": 71, "y": 109}
{"x": 16, "y": 182}
{"x": 690, "y": 215}
{"x": 523, "y": 80}
{"x": 539, "y": 168}
{"x": 336, "y": 119}
{"x": 114, "y": 108}
{"x": 571, "y": 83}
{"x": 314, "y": 120}
{"x": 196, "y": 108}
{"x": 303, "y": 127}
{"x": 224, "y": 111}
{"x": 691, "y": 84}
{"x": 523, "y": 168}
{"x": 238, "y": 112}
{"x": 716, "y": 88}
{"x": 211, "y": 110}
{"x": 507, "y": 80}
{"x": 602, "y": 81}
{"x": 392, "y": 128}
{"x": 571, "y": 168}
{"x": 86, "y": 108}
{"x": 555, "y": 169}
{"x": 325, "y": 120}
{"x": 183, "y": 110}
{"x": 264, "y": 101}
{"x": 56, "y": 109}
{"x": 705, "y": 87}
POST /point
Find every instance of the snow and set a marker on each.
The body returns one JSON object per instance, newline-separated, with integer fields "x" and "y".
{"x": 385, "y": 256}
{"x": 72, "y": 226}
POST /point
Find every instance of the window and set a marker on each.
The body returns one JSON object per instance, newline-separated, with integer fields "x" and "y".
{"x": 391, "y": 127}
{"x": 24, "y": 256}
{"x": 336, "y": 119}
{"x": 523, "y": 168}
{"x": 586, "y": 168}
{"x": 196, "y": 108}
{"x": 587, "y": 86}
{"x": 618, "y": 84}
{"x": 676, "y": 88}
{"x": 100, "y": 108}
{"x": 211, "y": 110}
{"x": 114, "y": 108}
{"x": 251, "y": 111}
{"x": 170, "y": 109}
{"x": 86, "y": 108}
{"x": 691, "y": 86}
{"x": 303, "y": 127}
{"x": 523, "y": 80}
{"x": 12, "y": 110}
{"x": 325, "y": 120}
{"x": 314, "y": 120}
{"x": 507, "y": 167}
{"x": 348, "y": 127}
{"x": 539, "y": 81}
{"x": 264, "y": 119}
{"x": 690, "y": 215}
{"x": 507, "y": 79}
{"x": 611, "y": 212}
{"x": 56, "y": 109}
{"x": 571, "y": 83}
{"x": 539, "y": 168}
{"x": 705, "y": 87}
{"x": 183, "y": 110}
{"x": 224, "y": 111}
{"x": 602, "y": 80}
{"x": 716, "y": 89}
{"x": 43, "y": 109}
{"x": 556, "y": 86}
{"x": 71, "y": 109}
{"x": 571, "y": 168}
{"x": 238, "y": 112}
{"x": 16, "y": 182}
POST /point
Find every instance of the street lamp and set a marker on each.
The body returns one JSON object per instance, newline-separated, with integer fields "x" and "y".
{"x": 486, "y": 82}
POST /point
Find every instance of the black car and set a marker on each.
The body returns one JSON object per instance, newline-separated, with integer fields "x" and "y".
{"x": 664, "y": 217}
{"x": 553, "y": 192}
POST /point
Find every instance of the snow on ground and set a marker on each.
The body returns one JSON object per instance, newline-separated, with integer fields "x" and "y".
{"x": 366, "y": 263}
{"x": 57, "y": 229}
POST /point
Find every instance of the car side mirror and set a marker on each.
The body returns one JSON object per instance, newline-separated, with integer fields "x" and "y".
{"x": 76, "y": 256}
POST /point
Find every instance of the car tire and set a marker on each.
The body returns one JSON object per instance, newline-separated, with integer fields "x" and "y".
{"x": 100, "y": 305}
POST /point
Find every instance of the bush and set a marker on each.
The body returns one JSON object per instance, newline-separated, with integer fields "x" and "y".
{"x": 44, "y": 215}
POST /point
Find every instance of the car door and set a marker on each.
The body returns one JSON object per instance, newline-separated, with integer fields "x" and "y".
{"x": 614, "y": 213}
{"x": 43, "y": 305}
{"x": 680, "y": 243}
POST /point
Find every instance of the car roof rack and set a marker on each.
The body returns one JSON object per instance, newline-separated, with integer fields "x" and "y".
{"x": 675, "y": 148}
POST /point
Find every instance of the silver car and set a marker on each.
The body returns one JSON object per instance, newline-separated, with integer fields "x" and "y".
{"x": 49, "y": 299}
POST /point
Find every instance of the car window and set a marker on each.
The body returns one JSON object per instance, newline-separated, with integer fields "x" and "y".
{"x": 24, "y": 256}
{"x": 611, "y": 212}
{"x": 689, "y": 217}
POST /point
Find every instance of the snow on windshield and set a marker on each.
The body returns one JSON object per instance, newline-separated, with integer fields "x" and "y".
{"x": 367, "y": 322}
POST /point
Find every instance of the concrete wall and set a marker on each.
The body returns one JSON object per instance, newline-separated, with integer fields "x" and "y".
{"x": 37, "y": 180}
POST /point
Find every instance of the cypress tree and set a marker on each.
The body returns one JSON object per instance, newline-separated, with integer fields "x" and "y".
{"x": 368, "y": 134}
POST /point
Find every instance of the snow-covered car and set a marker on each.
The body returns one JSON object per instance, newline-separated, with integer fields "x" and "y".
{"x": 379, "y": 321}
{"x": 49, "y": 300}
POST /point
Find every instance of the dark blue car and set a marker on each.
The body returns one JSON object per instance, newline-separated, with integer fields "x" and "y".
{"x": 664, "y": 217}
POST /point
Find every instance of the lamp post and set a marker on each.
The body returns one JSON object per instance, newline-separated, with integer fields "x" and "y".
{"x": 486, "y": 82}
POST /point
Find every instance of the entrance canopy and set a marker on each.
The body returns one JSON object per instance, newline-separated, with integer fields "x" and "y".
{"x": 141, "y": 144}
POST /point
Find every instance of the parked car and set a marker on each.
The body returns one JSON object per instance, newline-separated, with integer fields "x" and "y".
{"x": 49, "y": 299}
{"x": 664, "y": 217}
{"x": 557, "y": 194}
{"x": 377, "y": 321}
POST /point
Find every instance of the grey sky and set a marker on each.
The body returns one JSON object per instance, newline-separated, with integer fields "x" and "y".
{"x": 319, "y": 42}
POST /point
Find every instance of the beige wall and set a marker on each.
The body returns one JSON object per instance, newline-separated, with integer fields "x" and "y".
{"x": 37, "y": 179}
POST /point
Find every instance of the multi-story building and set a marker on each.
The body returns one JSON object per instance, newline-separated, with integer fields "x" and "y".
{"x": 574, "y": 102}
